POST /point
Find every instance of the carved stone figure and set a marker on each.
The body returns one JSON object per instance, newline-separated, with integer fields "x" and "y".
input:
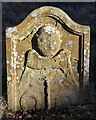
{"x": 45, "y": 58}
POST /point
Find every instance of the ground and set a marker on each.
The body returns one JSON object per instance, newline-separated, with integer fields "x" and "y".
{"x": 79, "y": 112}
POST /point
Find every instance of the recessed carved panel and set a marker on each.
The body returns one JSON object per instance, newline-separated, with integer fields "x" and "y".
{"x": 47, "y": 61}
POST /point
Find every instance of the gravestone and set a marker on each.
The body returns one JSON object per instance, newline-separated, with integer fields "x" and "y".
{"x": 47, "y": 61}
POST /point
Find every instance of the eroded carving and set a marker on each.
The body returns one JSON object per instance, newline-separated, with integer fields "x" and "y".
{"x": 44, "y": 61}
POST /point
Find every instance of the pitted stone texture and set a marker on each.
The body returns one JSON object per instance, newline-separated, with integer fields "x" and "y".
{"x": 45, "y": 55}
{"x": 49, "y": 40}
{"x": 33, "y": 85}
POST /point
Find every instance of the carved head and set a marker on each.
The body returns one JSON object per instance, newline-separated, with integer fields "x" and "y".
{"x": 47, "y": 40}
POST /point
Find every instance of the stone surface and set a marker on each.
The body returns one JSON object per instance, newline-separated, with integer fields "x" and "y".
{"x": 47, "y": 61}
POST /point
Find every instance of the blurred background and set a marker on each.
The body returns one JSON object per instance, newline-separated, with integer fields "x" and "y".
{"x": 13, "y": 13}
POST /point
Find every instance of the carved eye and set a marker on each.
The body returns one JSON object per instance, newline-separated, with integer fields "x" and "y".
{"x": 30, "y": 85}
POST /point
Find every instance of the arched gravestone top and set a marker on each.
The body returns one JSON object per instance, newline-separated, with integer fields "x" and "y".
{"x": 48, "y": 53}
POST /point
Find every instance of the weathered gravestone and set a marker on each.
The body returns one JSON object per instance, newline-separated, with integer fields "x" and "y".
{"x": 47, "y": 61}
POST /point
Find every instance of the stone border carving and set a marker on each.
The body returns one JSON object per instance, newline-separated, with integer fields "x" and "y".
{"x": 27, "y": 29}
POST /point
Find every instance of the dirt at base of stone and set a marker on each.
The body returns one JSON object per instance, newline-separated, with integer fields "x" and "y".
{"x": 80, "y": 112}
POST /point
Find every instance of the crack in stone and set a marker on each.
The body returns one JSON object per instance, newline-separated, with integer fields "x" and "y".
{"x": 26, "y": 55}
{"x": 46, "y": 94}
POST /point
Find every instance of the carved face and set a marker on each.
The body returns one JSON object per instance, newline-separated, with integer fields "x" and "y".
{"x": 49, "y": 40}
